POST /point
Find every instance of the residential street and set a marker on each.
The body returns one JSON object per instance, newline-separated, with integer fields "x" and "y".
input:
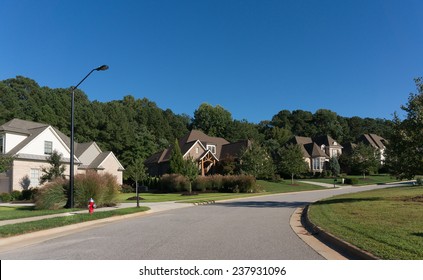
{"x": 252, "y": 228}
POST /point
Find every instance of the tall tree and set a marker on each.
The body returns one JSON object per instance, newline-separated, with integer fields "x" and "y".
{"x": 212, "y": 120}
{"x": 404, "y": 153}
{"x": 176, "y": 161}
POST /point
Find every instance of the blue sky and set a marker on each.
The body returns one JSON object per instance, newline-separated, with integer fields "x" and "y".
{"x": 254, "y": 58}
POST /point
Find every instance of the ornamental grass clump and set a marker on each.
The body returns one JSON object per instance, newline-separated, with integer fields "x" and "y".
{"x": 103, "y": 188}
{"x": 52, "y": 195}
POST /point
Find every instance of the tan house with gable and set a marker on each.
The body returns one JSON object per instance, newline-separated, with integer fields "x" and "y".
{"x": 31, "y": 143}
{"x": 318, "y": 150}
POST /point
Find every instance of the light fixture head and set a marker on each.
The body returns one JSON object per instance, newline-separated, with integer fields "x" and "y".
{"x": 102, "y": 68}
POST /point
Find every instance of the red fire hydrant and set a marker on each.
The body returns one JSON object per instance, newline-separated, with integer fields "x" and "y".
{"x": 91, "y": 206}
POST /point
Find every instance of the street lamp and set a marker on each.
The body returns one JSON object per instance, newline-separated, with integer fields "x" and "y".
{"x": 70, "y": 202}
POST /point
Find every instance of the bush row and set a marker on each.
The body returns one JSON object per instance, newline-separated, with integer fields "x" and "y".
{"x": 18, "y": 195}
{"x": 215, "y": 183}
{"x": 103, "y": 188}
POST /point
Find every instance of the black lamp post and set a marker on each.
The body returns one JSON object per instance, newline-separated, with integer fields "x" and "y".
{"x": 70, "y": 202}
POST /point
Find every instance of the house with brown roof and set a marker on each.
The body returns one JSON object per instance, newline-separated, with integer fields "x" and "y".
{"x": 206, "y": 151}
{"x": 31, "y": 143}
{"x": 318, "y": 150}
{"x": 373, "y": 140}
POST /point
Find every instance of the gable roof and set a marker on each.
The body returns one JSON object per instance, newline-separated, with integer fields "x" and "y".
{"x": 374, "y": 140}
{"x": 188, "y": 141}
{"x": 325, "y": 140}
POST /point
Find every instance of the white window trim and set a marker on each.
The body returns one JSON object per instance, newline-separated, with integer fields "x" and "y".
{"x": 211, "y": 148}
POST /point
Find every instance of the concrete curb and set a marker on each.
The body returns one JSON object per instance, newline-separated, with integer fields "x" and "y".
{"x": 345, "y": 248}
{"x": 204, "y": 202}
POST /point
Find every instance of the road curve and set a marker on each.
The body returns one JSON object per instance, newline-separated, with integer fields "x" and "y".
{"x": 252, "y": 228}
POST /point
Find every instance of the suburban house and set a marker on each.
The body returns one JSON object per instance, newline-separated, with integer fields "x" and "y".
{"x": 318, "y": 150}
{"x": 377, "y": 142}
{"x": 31, "y": 143}
{"x": 206, "y": 151}
{"x": 373, "y": 140}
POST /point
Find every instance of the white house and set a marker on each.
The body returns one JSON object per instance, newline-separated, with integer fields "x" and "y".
{"x": 31, "y": 143}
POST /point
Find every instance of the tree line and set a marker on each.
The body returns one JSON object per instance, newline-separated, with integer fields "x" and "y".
{"x": 136, "y": 128}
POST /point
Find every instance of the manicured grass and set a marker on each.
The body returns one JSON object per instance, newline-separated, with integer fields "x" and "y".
{"x": 17, "y": 212}
{"x": 268, "y": 188}
{"x": 387, "y": 222}
{"x": 368, "y": 180}
{"x": 21, "y": 228}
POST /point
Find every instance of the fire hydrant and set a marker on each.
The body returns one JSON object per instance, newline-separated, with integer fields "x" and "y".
{"x": 91, "y": 206}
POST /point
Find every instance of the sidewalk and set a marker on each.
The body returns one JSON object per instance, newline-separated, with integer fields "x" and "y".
{"x": 325, "y": 185}
{"x": 154, "y": 207}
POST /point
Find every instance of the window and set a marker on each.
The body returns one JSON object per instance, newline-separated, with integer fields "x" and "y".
{"x": 48, "y": 147}
{"x": 211, "y": 148}
{"x": 317, "y": 164}
{"x": 196, "y": 150}
{"x": 1, "y": 144}
{"x": 34, "y": 177}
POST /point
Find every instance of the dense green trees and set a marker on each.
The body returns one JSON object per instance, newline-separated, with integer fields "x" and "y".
{"x": 404, "y": 154}
{"x": 136, "y": 128}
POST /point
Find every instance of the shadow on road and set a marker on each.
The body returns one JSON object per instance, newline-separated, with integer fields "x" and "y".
{"x": 263, "y": 204}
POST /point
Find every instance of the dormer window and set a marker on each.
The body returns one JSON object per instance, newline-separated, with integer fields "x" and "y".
{"x": 211, "y": 148}
{"x": 48, "y": 147}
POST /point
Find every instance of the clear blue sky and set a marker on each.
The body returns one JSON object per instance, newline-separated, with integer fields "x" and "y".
{"x": 254, "y": 58}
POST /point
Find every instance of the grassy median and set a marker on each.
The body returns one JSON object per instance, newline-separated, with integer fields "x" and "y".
{"x": 27, "y": 227}
{"x": 387, "y": 223}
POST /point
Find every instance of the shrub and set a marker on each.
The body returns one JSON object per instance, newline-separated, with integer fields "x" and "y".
{"x": 419, "y": 181}
{"x": 29, "y": 194}
{"x": 202, "y": 184}
{"x": 15, "y": 195}
{"x": 100, "y": 187}
{"x": 351, "y": 181}
{"x": 174, "y": 183}
{"x": 5, "y": 197}
{"x": 127, "y": 189}
{"x": 52, "y": 195}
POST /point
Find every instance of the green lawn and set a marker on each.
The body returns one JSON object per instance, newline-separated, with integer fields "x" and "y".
{"x": 268, "y": 188}
{"x": 368, "y": 180}
{"x": 17, "y": 212}
{"x": 21, "y": 228}
{"x": 388, "y": 222}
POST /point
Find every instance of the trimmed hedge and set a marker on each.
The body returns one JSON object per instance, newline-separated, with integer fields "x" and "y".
{"x": 228, "y": 183}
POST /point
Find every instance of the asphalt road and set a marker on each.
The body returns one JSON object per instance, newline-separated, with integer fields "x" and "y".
{"x": 254, "y": 228}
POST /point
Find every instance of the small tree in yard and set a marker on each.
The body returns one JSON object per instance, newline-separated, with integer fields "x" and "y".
{"x": 56, "y": 169}
{"x": 190, "y": 171}
{"x": 365, "y": 159}
{"x": 334, "y": 166}
{"x": 137, "y": 172}
{"x": 291, "y": 161}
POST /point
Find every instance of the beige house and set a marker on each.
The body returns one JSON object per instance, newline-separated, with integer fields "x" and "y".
{"x": 318, "y": 150}
{"x": 206, "y": 151}
{"x": 31, "y": 143}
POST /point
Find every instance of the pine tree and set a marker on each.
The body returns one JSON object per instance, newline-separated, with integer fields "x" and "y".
{"x": 176, "y": 159}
